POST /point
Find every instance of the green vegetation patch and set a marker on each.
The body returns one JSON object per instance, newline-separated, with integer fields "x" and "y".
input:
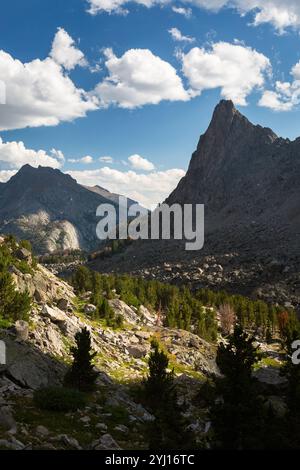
{"x": 59, "y": 399}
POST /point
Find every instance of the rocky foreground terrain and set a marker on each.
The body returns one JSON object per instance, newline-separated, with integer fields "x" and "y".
{"x": 38, "y": 354}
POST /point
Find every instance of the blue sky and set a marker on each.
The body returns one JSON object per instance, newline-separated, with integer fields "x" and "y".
{"x": 137, "y": 84}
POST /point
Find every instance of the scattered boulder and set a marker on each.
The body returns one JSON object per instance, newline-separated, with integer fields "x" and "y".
{"x": 144, "y": 335}
{"x": 121, "y": 428}
{"x": 137, "y": 351}
{"x": 42, "y": 431}
{"x": 106, "y": 442}
{"x": 54, "y": 313}
{"x": 7, "y": 420}
{"x": 28, "y": 367}
{"x": 70, "y": 327}
{"x": 85, "y": 420}
{"x": 89, "y": 309}
{"x": 11, "y": 445}
{"x": 69, "y": 442}
{"x": 101, "y": 427}
{"x": 64, "y": 305}
{"x": 147, "y": 317}
{"x": 24, "y": 255}
{"x": 22, "y": 330}
{"x": 128, "y": 314}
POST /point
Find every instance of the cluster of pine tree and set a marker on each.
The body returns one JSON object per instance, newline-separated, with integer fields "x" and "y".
{"x": 179, "y": 306}
{"x": 14, "y": 305}
{"x": 111, "y": 248}
{"x": 256, "y": 315}
{"x": 182, "y": 308}
{"x": 241, "y": 414}
{"x": 169, "y": 430}
{"x": 100, "y": 290}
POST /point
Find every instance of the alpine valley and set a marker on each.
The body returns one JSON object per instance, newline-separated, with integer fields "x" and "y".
{"x": 141, "y": 344}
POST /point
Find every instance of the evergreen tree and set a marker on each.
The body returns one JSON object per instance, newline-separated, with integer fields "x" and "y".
{"x": 20, "y": 306}
{"x": 159, "y": 381}
{"x": 168, "y": 430}
{"x": 82, "y": 375}
{"x": 238, "y": 417}
{"x": 81, "y": 280}
{"x": 7, "y": 291}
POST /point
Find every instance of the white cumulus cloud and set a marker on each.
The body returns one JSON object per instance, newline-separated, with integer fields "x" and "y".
{"x": 58, "y": 154}
{"x": 5, "y": 175}
{"x": 137, "y": 78}
{"x": 236, "y": 69}
{"x": 87, "y": 160}
{"x": 13, "y": 155}
{"x": 139, "y": 163}
{"x": 282, "y": 14}
{"x": 39, "y": 93}
{"x": 65, "y": 53}
{"x": 286, "y": 95}
{"x": 187, "y": 12}
{"x": 147, "y": 188}
{"x": 117, "y": 6}
{"x": 178, "y": 36}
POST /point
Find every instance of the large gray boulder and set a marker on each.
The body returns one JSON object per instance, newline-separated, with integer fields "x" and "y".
{"x": 138, "y": 351}
{"x": 28, "y": 366}
{"x": 128, "y": 314}
{"x": 55, "y": 315}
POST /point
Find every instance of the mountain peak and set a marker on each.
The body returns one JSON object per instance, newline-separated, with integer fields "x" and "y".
{"x": 29, "y": 173}
{"x": 225, "y": 106}
{"x": 224, "y": 114}
{"x": 227, "y": 131}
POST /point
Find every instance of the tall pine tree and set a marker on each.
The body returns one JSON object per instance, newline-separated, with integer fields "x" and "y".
{"x": 82, "y": 375}
{"x": 237, "y": 417}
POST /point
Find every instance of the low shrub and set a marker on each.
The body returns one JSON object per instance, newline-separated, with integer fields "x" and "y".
{"x": 59, "y": 399}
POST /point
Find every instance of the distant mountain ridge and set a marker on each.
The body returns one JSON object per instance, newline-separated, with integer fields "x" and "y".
{"x": 108, "y": 195}
{"x": 51, "y": 209}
